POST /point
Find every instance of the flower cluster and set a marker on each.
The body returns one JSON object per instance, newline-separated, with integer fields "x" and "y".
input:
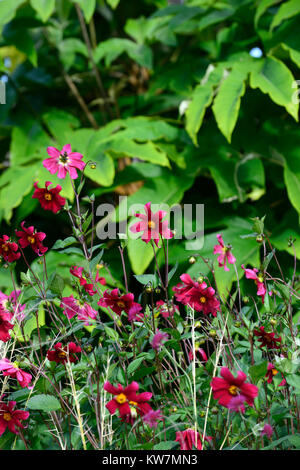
{"x": 197, "y": 295}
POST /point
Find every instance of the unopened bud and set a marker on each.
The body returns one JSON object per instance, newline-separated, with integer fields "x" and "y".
{"x": 93, "y": 165}
{"x": 260, "y": 238}
{"x": 273, "y": 321}
{"x": 200, "y": 279}
{"x": 212, "y": 333}
{"x": 246, "y": 300}
{"x": 192, "y": 260}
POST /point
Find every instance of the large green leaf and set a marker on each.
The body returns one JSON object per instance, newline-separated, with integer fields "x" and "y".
{"x": 8, "y": 10}
{"x": 285, "y": 11}
{"x": 271, "y": 76}
{"x": 227, "y": 102}
{"x": 144, "y": 151}
{"x": 43, "y": 403}
{"x": 88, "y": 8}
{"x": 44, "y": 8}
{"x": 201, "y": 99}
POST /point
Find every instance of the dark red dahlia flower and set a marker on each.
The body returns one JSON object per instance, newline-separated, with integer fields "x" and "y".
{"x": 49, "y": 199}
{"x": 62, "y": 355}
{"x": 5, "y": 325}
{"x": 267, "y": 339}
{"x": 10, "y": 418}
{"x": 129, "y": 404}
{"x": 197, "y": 296}
{"x": 272, "y": 371}
{"x": 190, "y": 440}
{"x": 224, "y": 389}
{"x": 29, "y": 237}
{"x": 8, "y": 249}
{"x": 119, "y": 303}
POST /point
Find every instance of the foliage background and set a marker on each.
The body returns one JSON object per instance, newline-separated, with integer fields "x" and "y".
{"x": 114, "y": 79}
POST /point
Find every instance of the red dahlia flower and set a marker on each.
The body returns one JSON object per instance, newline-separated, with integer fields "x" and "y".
{"x": 267, "y": 339}
{"x": 197, "y": 296}
{"x": 12, "y": 369}
{"x": 63, "y": 162}
{"x": 10, "y": 418}
{"x": 199, "y": 352}
{"x": 152, "y": 225}
{"x": 29, "y": 237}
{"x": 271, "y": 373}
{"x": 119, "y": 303}
{"x": 62, "y": 355}
{"x": 8, "y": 249}
{"x": 5, "y": 325}
{"x": 224, "y": 389}
{"x": 49, "y": 199}
{"x": 187, "y": 439}
{"x": 129, "y": 404}
{"x": 224, "y": 253}
{"x": 258, "y": 279}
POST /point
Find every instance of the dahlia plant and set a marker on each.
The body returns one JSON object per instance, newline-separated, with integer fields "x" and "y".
{"x": 164, "y": 360}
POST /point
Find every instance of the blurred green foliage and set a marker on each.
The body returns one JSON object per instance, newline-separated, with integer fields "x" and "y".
{"x": 200, "y": 95}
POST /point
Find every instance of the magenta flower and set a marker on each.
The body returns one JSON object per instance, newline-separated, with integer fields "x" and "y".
{"x": 199, "y": 352}
{"x": 29, "y": 237}
{"x": 189, "y": 439}
{"x": 267, "y": 431}
{"x": 127, "y": 401}
{"x": 12, "y": 370}
{"x": 119, "y": 303}
{"x": 272, "y": 371}
{"x": 197, "y": 296}
{"x": 10, "y": 418}
{"x": 158, "y": 339}
{"x": 237, "y": 404}
{"x": 166, "y": 310}
{"x": 8, "y": 249}
{"x": 63, "y": 162}
{"x": 227, "y": 387}
{"x": 152, "y": 417}
{"x": 224, "y": 253}
{"x": 10, "y": 303}
{"x": 49, "y": 199}
{"x": 5, "y": 325}
{"x": 258, "y": 279}
{"x": 152, "y": 225}
{"x": 72, "y": 307}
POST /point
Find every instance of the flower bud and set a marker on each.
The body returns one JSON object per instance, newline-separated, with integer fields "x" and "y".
{"x": 215, "y": 410}
{"x": 212, "y": 333}
{"x": 200, "y": 279}
{"x": 260, "y": 238}
{"x": 93, "y": 165}
{"x": 158, "y": 290}
{"x": 148, "y": 289}
{"x": 246, "y": 300}
{"x": 237, "y": 324}
{"x": 192, "y": 260}
{"x": 273, "y": 321}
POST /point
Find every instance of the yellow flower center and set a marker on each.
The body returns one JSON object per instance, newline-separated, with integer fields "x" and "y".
{"x": 133, "y": 403}
{"x": 151, "y": 224}
{"x": 7, "y": 416}
{"x": 233, "y": 390}
{"x": 203, "y": 299}
{"x": 31, "y": 239}
{"x": 4, "y": 247}
{"x": 62, "y": 354}
{"x": 274, "y": 371}
{"x": 121, "y": 398}
{"x": 48, "y": 196}
{"x": 121, "y": 304}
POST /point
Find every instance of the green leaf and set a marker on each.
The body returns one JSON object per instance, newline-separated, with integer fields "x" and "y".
{"x": 285, "y": 11}
{"x": 44, "y": 8}
{"x": 262, "y": 8}
{"x": 144, "y": 151}
{"x": 271, "y": 76}
{"x": 8, "y": 10}
{"x": 56, "y": 284}
{"x": 258, "y": 371}
{"x": 113, "y": 3}
{"x": 292, "y": 182}
{"x": 88, "y": 8}
{"x": 147, "y": 279}
{"x": 68, "y": 50}
{"x": 201, "y": 99}
{"x": 140, "y": 255}
{"x": 227, "y": 102}
{"x": 164, "y": 445}
{"x": 44, "y": 403}
{"x": 293, "y": 380}
{"x": 134, "y": 365}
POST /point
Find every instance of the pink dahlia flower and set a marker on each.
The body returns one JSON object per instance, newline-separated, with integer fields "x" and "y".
{"x": 63, "y": 162}
{"x": 267, "y": 431}
{"x": 5, "y": 325}
{"x": 198, "y": 296}
{"x": 158, "y": 339}
{"x": 152, "y": 417}
{"x": 10, "y": 303}
{"x": 9, "y": 250}
{"x": 258, "y": 279}
{"x": 83, "y": 310}
{"x": 12, "y": 370}
{"x": 224, "y": 253}
{"x": 152, "y": 225}
{"x": 119, "y": 303}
